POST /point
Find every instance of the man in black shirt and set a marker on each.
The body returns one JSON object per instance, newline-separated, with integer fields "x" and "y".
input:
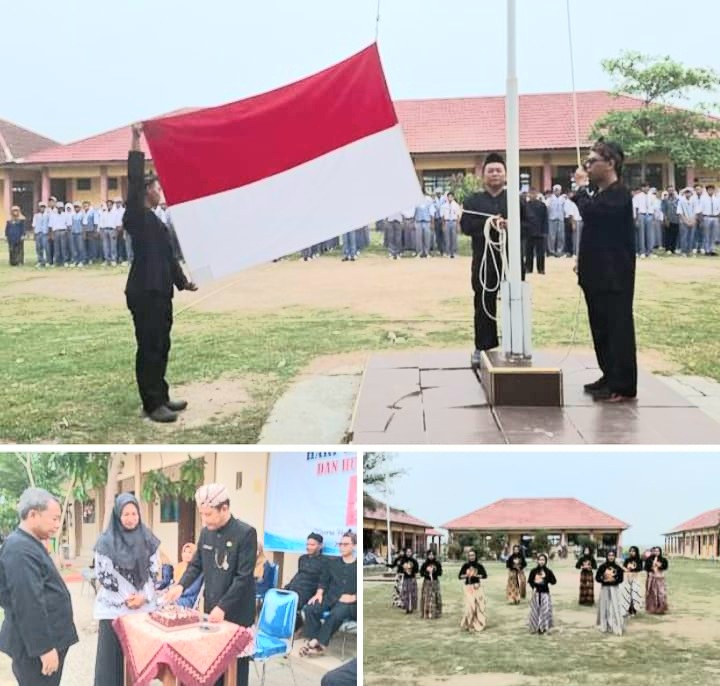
{"x": 225, "y": 556}
{"x": 311, "y": 568}
{"x": 606, "y": 272}
{"x": 149, "y": 291}
{"x": 338, "y": 594}
{"x": 537, "y": 219}
{"x": 491, "y": 201}
{"x": 38, "y": 627}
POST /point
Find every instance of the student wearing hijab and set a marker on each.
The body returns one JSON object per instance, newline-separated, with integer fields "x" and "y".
{"x": 430, "y": 598}
{"x": 631, "y": 591}
{"x": 14, "y": 232}
{"x": 409, "y": 568}
{"x": 126, "y": 563}
{"x": 263, "y": 573}
{"x": 586, "y": 564}
{"x": 610, "y": 617}
{"x": 191, "y": 593}
{"x": 541, "y": 612}
{"x": 186, "y": 556}
{"x": 474, "y": 617}
{"x": 656, "y": 595}
{"x": 397, "y": 564}
{"x": 516, "y": 584}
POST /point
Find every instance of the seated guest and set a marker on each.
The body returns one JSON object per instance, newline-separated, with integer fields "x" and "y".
{"x": 337, "y": 594}
{"x": 190, "y": 594}
{"x": 311, "y": 567}
{"x": 263, "y": 573}
{"x": 126, "y": 563}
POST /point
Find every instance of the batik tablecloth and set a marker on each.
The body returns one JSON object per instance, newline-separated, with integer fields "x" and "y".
{"x": 195, "y": 657}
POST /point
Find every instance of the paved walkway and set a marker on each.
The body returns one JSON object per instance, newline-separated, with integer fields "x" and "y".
{"x": 435, "y": 398}
{"x": 80, "y": 666}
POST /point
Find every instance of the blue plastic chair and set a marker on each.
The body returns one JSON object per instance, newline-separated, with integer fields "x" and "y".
{"x": 347, "y": 628}
{"x": 276, "y": 629}
{"x": 274, "y": 581}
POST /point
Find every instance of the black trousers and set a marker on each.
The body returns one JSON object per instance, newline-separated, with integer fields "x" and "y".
{"x": 613, "y": 333}
{"x": 28, "y": 671}
{"x": 153, "y": 318}
{"x": 345, "y": 675}
{"x": 569, "y": 238}
{"x": 535, "y": 247}
{"x": 670, "y": 237}
{"x": 109, "y": 661}
{"x": 324, "y": 631}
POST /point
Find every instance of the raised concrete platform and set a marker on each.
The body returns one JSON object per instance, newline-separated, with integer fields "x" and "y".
{"x": 436, "y": 398}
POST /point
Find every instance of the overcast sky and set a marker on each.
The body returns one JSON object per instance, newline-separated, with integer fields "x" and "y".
{"x": 80, "y": 67}
{"x": 654, "y": 492}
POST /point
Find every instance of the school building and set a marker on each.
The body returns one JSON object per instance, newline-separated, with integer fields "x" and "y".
{"x": 175, "y": 521}
{"x": 406, "y": 531}
{"x": 444, "y": 136}
{"x": 564, "y": 520}
{"x": 698, "y": 538}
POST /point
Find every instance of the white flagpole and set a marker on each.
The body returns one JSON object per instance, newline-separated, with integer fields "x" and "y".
{"x": 387, "y": 515}
{"x": 515, "y": 326}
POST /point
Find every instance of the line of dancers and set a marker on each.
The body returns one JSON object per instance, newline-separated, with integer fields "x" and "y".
{"x": 622, "y": 594}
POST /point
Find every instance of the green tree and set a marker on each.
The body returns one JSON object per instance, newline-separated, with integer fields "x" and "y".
{"x": 463, "y": 185}
{"x": 376, "y": 466}
{"x": 688, "y": 136}
{"x": 541, "y": 542}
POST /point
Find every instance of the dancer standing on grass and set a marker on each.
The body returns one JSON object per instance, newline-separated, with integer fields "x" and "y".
{"x": 586, "y": 564}
{"x": 632, "y": 594}
{"x": 656, "y": 592}
{"x": 409, "y": 590}
{"x": 474, "y": 618}
{"x": 431, "y": 598}
{"x": 516, "y": 584}
{"x": 541, "y": 578}
{"x": 610, "y": 617}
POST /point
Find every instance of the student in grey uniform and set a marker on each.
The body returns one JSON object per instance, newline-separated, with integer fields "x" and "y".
{"x": 41, "y": 227}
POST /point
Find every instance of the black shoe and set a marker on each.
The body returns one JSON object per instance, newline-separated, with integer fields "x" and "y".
{"x": 163, "y": 415}
{"x": 541, "y": 272}
{"x": 608, "y": 396}
{"x": 595, "y": 385}
{"x": 176, "y": 405}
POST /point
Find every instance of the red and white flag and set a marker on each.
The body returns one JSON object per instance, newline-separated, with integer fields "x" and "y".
{"x": 264, "y": 177}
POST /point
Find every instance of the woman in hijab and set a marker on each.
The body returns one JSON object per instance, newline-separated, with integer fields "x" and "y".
{"x": 631, "y": 590}
{"x": 397, "y": 564}
{"x": 474, "y": 617}
{"x": 516, "y": 584}
{"x": 541, "y": 612}
{"x": 586, "y": 564}
{"x": 263, "y": 573}
{"x": 656, "y": 595}
{"x": 186, "y": 556}
{"x": 409, "y": 591}
{"x": 126, "y": 563}
{"x": 430, "y": 598}
{"x": 14, "y": 233}
{"x": 610, "y": 617}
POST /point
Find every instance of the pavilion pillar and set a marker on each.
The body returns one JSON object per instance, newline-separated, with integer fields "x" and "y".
{"x": 547, "y": 174}
{"x": 690, "y": 175}
{"x": 103, "y": 184}
{"x": 7, "y": 192}
{"x": 45, "y": 183}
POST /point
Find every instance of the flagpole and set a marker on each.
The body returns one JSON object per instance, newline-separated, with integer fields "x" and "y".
{"x": 514, "y": 328}
{"x": 387, "y": 514}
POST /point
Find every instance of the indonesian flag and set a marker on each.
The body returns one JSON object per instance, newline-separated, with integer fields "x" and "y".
{"x": 267, "y": 176}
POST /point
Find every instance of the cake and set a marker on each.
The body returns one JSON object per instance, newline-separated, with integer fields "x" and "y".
{"x": 173, "y": 617}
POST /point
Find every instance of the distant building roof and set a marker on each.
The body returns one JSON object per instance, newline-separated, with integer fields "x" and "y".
{"x": 430, "y": 125}
{"x": 536, "y": 513}
{"x": 706, "y": 520}
{"x": 17, "y": 142}
{"x": 379, "y": 511}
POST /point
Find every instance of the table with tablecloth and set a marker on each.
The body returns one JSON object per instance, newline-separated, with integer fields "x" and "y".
{"x": 191, "y": 657}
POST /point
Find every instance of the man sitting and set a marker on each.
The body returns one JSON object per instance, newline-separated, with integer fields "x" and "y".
{"x": 311, "y": 568}
{"x": 337, "y": 594}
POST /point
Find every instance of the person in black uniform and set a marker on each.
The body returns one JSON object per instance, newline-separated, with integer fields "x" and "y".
{"x": 38, "y": 627}
{"x": 311, "y": 568}
{"x": 345, "y": 675}
{"x": 149, "y": 291}
{"x": 537, "y": 219}
{"x": 606, "y": 272}
{"x": 491, "y": 201}
{"x": 225, "y": 556}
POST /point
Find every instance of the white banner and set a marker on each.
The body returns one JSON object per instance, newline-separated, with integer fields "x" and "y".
{"x": 310, "y": 492}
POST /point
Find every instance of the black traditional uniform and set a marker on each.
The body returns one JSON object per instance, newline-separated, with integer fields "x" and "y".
{"x": 38, "y": 609}
{"x": 149, "y": 291}
{"x": 307, "y": 579}
{"x": 226, "y": 559}
{"x": 606, "y": 273}
{"x": 486, "y": 334}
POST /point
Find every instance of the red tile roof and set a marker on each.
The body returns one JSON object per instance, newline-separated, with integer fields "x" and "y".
{"x": 17, "y": 142}
{"x": 435, "y": 532}
{"x": 111, "y": 146}
{"x": 536, "y": 513}
{"x": 446, "y": 125}
{"x": 396, "y": 516}
{"x": 478, "y": 124}
{"x": 707, "y": 520}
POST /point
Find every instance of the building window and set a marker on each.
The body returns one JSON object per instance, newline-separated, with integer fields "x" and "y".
{"x": 653, "y": 175}
{"x": 89, "y": 512}
{"x": 83, "y": 184}
{"x": 169, "y": 510}
{"x": 564, "y": 176}
{"x": 554, "y": 539}
{"x": 113, "y": 183}
{"x": 441, "y": 179}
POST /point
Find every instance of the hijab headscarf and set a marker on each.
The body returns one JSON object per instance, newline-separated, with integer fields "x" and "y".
{"x": 259, "y": 562}
{"x": 129, "y": 549}
{"x": 182, "y": 566}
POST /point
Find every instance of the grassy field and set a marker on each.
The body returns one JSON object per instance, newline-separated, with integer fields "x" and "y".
{"x": 67, "y": 346}
{"x": 680, "y": 648}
